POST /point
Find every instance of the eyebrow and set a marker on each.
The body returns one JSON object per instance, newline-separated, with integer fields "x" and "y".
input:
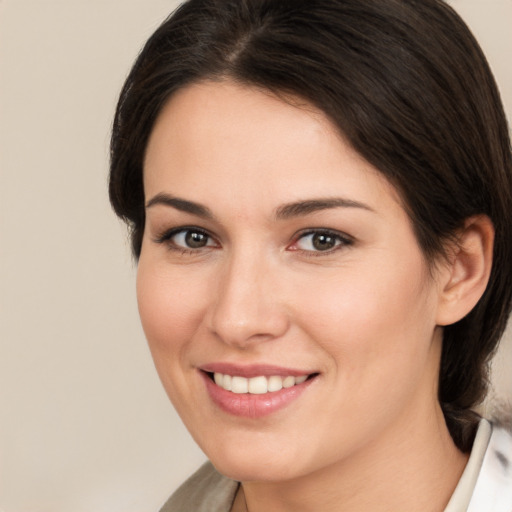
{"x": 306, "y": 207}
{"x": 181, "y": 204}
{"x": 286, "y": 211}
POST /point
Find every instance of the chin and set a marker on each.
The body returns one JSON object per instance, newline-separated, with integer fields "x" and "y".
{"x": 255, "y": 461}
{"x": 254, "y": 471}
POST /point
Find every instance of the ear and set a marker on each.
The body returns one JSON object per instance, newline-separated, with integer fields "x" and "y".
{"x": 464, "y": 278}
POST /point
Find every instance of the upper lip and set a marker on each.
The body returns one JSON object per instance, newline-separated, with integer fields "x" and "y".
{"x": 252, "y": 370}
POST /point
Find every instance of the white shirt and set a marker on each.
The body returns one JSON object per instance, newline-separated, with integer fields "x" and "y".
{"x": 486, "y": 484}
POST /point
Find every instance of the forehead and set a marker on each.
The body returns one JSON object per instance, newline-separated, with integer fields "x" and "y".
{"x": 220, "y": 136}
{"x": 226, "y": 112}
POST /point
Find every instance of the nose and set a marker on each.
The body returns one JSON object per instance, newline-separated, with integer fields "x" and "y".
{"x": 248, "y": 307}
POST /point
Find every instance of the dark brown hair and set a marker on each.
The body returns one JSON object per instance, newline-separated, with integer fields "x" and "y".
{"x": 406, "y": 84}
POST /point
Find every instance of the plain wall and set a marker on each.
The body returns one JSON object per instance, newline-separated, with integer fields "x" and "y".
{"x": 84, "y": 423}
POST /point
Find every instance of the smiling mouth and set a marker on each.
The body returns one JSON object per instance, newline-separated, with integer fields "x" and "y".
{"x": 258, "y": 385}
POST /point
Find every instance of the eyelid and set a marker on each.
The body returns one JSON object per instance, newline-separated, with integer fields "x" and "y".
{"x": 166, "y": 236}
{"x": 344, "y": 239}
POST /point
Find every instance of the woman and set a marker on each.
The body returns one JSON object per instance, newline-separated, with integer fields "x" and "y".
{"x": 318, "y": 194}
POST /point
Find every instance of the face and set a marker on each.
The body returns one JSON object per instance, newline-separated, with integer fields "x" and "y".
{"x": 287, "y": 305}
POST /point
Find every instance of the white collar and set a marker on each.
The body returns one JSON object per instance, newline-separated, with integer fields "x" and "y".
{"x": 493, "y": 489}
{"x": 486, "y": 483}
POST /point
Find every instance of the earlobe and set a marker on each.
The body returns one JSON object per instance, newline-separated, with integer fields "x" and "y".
{"x": 465, "y": 277}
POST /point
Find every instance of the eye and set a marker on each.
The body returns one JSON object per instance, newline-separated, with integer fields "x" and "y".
{"x": 320, "y": 241}
{"x": 187, "y": 238}
{"x": 191, "y": 239}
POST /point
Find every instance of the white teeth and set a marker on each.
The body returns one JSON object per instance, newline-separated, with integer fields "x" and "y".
{"x": 275, "y": 383}
{"x": 288, "y": 382}
{"x": 239, "y": 384}
{"x": 256, "y": 385}
{"x": 226, "y": 382}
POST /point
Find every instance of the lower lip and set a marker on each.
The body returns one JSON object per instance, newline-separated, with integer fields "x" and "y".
{"x": 248, "y": 405}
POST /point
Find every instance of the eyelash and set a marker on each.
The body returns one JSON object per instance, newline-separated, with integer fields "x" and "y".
{"x": 166, "y": 238}
{"x": 342, "y": 240}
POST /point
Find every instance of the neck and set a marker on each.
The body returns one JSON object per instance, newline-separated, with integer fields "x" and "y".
{"x": 414, "y": 465}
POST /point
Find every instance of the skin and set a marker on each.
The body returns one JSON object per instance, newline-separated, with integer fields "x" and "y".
{"x": 366, "y": 315}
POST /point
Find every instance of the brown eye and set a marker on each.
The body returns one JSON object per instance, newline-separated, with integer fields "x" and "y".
{"x": 196, "y": 239}
{"x": 188, "y": 238}
{"x": 321, "y": 241}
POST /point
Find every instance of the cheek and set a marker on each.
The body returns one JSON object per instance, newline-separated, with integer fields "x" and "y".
{"x": 171, "y": 312}
{"x": 170, "y": 307}
{"x": 374, "y": 321}
{"x": 378, "y": 334}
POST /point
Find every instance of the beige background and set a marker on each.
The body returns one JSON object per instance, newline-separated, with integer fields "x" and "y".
{"x": 84, "y": 423}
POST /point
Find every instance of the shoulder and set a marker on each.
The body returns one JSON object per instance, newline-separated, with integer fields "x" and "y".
{"x": 493, "y": 489}
{"x": 205, "y": 491}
